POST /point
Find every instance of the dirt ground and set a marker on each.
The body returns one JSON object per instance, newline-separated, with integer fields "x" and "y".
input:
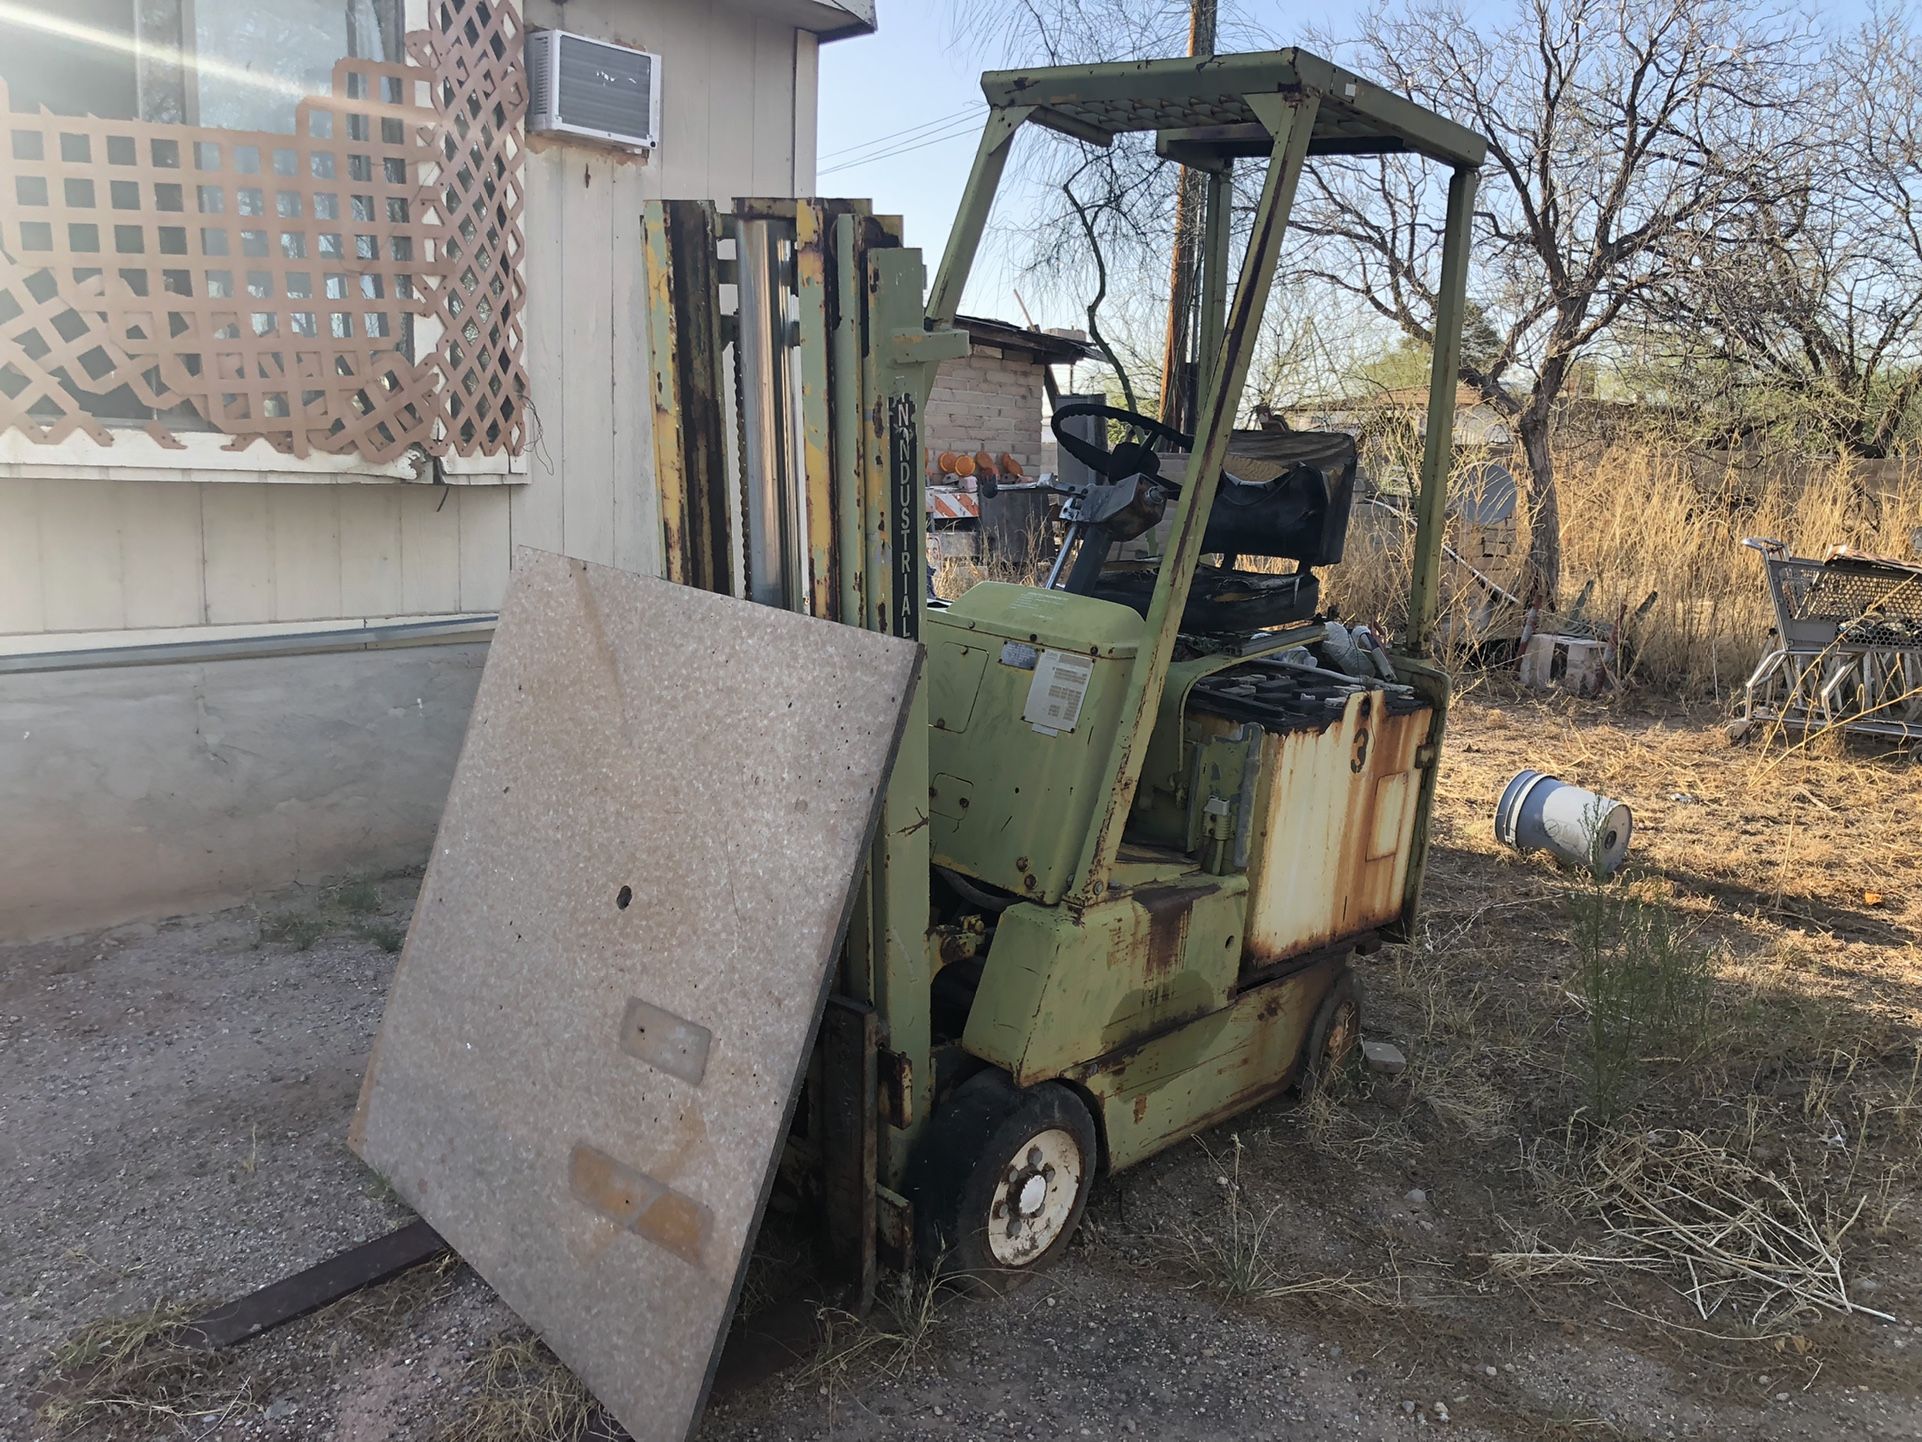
{"x": 1426, "y": 1251}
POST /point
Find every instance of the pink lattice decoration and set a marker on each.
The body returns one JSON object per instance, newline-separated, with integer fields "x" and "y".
{"x": 351, "y": 288}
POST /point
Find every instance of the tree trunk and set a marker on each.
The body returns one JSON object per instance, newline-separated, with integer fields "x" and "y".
{"x": 1545, "y": 511}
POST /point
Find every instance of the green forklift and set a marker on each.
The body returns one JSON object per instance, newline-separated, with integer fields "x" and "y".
{"x": 1146, "y": 810}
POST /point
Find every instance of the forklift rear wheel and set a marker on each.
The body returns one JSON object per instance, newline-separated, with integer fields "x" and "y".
{"x": 1333, "y": 1036}
{"x": 1006, "y": 1180}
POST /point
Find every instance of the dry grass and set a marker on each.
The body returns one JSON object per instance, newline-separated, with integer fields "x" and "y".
{"x": 1240, "y": 1252}
{"x": 379, "y": 1314}
{"x": 1722, "y": 1231}
{"x": 900, "y": 1332}
{"x": 134, "y": 1371}
{"x": 518, "y": 1391}
{"x": 349, "y": 907}
{"x": 956, "y": 574}
{"x": 1637, "y": 521}
{"x": 1752, "y": 987}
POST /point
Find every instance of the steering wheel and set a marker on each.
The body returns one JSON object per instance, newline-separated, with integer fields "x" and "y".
{"x": 1129, "y": 458}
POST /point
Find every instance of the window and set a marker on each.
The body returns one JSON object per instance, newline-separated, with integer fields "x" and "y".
{"x": 239, "y": 64}
{"x": 79, "y": 62}
{"x": 233, "y": 64}
{"x": 253, "y": 62}
{"x": 249, "y": 216}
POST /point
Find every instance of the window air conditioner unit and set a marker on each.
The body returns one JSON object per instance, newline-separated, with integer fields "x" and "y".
{"x": 586, "y": 87}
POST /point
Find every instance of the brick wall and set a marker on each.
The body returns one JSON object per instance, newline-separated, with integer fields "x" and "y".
{"x": 987, "y": 401}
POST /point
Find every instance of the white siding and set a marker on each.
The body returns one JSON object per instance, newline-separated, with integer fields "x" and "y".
{"x": 100, "y": 555}
{"x": 148, "y": 555}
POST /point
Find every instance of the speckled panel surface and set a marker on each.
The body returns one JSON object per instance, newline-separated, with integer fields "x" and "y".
{"x": 656, "y": 823}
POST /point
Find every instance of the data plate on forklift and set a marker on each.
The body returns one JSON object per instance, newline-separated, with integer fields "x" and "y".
{"x": 607, "y": 997}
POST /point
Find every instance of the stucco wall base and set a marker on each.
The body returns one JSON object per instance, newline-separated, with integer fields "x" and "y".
{"x": 155, "y": 790}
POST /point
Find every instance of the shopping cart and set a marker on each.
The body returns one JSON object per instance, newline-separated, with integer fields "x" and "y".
{"x": 1848, "y": 646}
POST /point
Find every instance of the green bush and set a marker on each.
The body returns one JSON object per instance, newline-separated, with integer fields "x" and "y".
{"x": 1646, "y": 985}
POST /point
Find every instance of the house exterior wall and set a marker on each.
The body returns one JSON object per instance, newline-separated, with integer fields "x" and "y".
{"x": 989, "y": 400}
{"x": 133, "y": 543}
{"x": 147, "y": 791}
{"x": 90, "y": 544}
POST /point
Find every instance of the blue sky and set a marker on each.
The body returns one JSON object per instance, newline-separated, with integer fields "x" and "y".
{"x": 915, "y": 76}
{"x": 901, "y": 109}
{"x": 906, "y": 75}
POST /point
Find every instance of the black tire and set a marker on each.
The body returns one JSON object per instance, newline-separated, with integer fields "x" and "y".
{"x": 988, "y": 1147}
{"x": 1334, "y": 1037}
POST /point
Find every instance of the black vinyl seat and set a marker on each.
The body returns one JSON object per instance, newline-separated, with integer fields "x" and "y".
{"x": 1299, "y": 512}
{"x": 1221, "y": 601}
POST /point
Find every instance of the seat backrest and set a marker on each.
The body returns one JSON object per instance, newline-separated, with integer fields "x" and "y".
{"x": 1286, "y": 494}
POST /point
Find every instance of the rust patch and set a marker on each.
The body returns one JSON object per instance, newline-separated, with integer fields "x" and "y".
{"x": 683, "y": 321}
{"x": 637, "y": 1203}
{"x": 1332, "y": 862}
{"x": 1168, "y": 908}
{"x": 1141, "y": 1107}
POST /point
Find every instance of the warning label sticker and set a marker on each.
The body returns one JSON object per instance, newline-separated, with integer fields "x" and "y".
{"x": 1055, "y": 695}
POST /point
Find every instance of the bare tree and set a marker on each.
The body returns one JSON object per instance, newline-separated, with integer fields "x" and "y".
{"x": 1807, "y": 313}
{"x": 1613, "y": 128}
{"x": 1091, "y": 222}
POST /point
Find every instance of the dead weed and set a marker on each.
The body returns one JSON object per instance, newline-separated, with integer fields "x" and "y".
{"x": 518, "y": 1391}
{"x": 136, "y": 1369}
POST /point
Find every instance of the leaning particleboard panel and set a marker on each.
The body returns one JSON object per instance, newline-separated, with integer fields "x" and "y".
{"x": 607, "y": 997}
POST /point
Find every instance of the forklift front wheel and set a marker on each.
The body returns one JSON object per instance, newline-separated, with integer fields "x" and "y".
{"x": 1005, "y": 1181}
{"x": 1333, "y": 1036}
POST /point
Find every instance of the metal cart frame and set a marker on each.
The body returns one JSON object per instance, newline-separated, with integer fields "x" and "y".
{"x": 1848, "y": 650}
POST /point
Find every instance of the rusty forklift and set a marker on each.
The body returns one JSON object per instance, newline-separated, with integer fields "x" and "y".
{"x": 1144, "y": 813}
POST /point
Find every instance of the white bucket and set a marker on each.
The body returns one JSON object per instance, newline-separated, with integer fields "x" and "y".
{"x": 1582, "y": 828}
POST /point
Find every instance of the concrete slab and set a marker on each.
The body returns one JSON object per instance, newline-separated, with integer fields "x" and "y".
{"x": 603, "y": 1011}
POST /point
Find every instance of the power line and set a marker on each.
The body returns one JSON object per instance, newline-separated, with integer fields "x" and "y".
{"x": 967, "y": 128}
{"x": 909, "y": 133}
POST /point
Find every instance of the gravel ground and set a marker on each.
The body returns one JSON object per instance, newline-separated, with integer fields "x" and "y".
{"x": 173, "y": 1102}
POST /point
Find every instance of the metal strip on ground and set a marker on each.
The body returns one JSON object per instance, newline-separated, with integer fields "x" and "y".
{"x": 292, "y": 1298}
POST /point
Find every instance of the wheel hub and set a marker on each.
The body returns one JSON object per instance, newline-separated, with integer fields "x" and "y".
{"x": 1035, "y": 1197}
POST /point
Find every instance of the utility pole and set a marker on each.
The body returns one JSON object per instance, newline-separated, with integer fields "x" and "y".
{"x": 1178, "y": 399}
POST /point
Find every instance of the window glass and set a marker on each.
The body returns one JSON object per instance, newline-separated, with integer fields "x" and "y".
{"x": 254, "y": 62}
{"x": 229, "y": 64}
{"x": 76, "y": 58}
